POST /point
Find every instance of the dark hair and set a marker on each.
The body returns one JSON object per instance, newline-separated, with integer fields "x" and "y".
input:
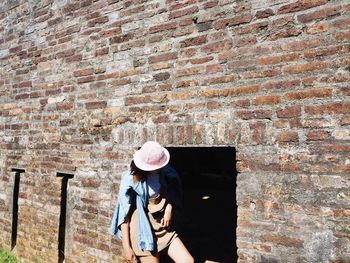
{"x": 139, "y": 174}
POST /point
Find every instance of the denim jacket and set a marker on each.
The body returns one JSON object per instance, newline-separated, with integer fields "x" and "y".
{"x": 171, "y": 186}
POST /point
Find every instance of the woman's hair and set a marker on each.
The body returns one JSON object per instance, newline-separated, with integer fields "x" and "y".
{"x": 139, "y": 175}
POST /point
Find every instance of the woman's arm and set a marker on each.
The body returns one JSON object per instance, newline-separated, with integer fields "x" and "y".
{"x": 128, "y": 252}
{"x": 167, "y": 215}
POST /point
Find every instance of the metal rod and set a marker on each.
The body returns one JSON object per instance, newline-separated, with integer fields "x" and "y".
{"x": 62, "y": 226}
{"x": 15, "y": 205}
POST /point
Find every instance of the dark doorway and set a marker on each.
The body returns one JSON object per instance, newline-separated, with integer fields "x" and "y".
{"x": 208, "y": 176}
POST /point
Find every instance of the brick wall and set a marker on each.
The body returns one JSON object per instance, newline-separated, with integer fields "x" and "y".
{"x": 84, "y": 83}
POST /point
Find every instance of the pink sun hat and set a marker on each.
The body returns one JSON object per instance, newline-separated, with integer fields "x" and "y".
{"x": 151, "y": 156}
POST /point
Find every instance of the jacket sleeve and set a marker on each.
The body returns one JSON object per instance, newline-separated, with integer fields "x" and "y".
{"x": 123, "y": 204}
{"x": 173, "y": 186}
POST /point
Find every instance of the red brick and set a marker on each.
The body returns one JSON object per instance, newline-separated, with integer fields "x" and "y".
{"x": 300, "y": 5}
{"x": 180, "y": 5}
{"x": 183, "y": 12}
{"x": 198, "y": 134}
{"x": 212, "y": 105}
{"x": 257, "y": 128}
{"x": 270, "y": 60}
{"x": 129, "y": 12}
{"x": 318, "y": 28}
{"x": 246, "y": 40}
{"x": 268, "y": 99}
{"x": 69, "y": 8}
{"x": 186, "y": 83}
{"x": 337, "y": 148}
{"x": 66, "y": 53}
{"x": 83, "y": 72}
{"x": 345, "y": 120}
{"x": 180, "y": 132}
{"x": 102, "y": 51}
{"x": 217, "y": 80}
{"x": 190, "y": 52}
{"x": 309, "y": 66}
{"x": 259, "y": 74}
{"x": 322, "y": 13}
{"x": 304, "y": 43}
{"x": 309, "y": 94}
{"x": 282, "y": 240}
{"x": 86, "y": 79}
{"x": 264, "y": 13}
{"x": 326, "y": 51}
{"x": 242, "y": 223}
{"x": 95, "y": 105}
{"x": 161, "y": 76}
{"x": 163, "y": 27}
{"x": 163, "y": 57}
{"x": 233, "y": 21}
{"x": 255, "y": 114}
{"x": 137, "y": 100}
{"x": 230, "y": 91}
{"x": 97, "y": 21}
{"x": 242, "y": 103}
{"x": 285, "y": 33}
{"x": 25, "y": 84}
{"x": 217, "y": 46}
{"x": 341, "y": 23}
{"x": 210, "y": 4}
{"x": 15, "y": 49}
{"x": 201, "y": 60}
{"x": 317, "y": 135}
{"x": 289, "y": 112}
{"x": 251, "y": 28}
{"x": 111, "y": 32}
{"x": 288, "y": 136}
{"x": 121, "y": 39}
{"x": 213, "y": 68}
{"x": 194, "y": 41}
{"x": 186, "y": 22}
{"x": 161, "y": 119}
{"x": 64, "y": 106}
{"x": 89, "y": 182}
{"x": 75, "y": 58}
{"x": 241, "y": 63}
{"x": 335, "y": 108}
{"x": 228, "y": 55}
{"x": 283, "y": 84}
{"x": 190, "y": 71}
{"x": 342, "y": 35}
{"x": 69, "y": 31}
{"x": 341, "y": 213}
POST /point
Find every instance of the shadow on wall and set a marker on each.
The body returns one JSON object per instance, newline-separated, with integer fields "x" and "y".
{"x": 208, "y": 225}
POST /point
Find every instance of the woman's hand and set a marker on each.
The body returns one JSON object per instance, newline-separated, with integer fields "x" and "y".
{"x": 129, "y": 255}
{"x": 167, "y": 215}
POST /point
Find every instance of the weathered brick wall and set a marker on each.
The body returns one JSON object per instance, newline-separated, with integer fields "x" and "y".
{"x": 84, "y": 83}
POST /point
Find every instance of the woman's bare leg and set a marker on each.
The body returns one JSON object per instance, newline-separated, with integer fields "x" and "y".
{"x": 179, "y": 253}
{"x": 149, "y": 259}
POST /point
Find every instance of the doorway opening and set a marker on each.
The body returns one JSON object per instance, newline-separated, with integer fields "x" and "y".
{"x": 208, "y": 176}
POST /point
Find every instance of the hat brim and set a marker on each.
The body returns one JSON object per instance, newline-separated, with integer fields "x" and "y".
{"x": 149, "y": 167}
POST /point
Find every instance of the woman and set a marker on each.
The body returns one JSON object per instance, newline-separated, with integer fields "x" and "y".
{"x": 149, "y": 193}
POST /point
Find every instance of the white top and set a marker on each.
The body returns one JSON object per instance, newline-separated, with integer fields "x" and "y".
{"x": 153, "y": 185}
